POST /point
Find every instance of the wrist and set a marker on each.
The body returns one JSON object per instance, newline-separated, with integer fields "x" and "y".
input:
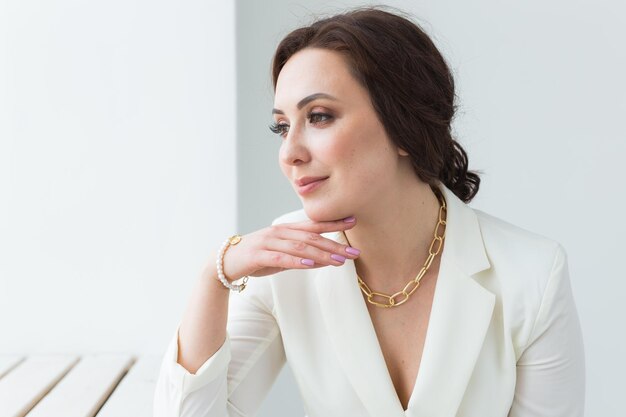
{"x": 219, "y": 263}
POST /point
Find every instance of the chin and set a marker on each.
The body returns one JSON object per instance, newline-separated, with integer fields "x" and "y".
{"x": 323, "y": 212}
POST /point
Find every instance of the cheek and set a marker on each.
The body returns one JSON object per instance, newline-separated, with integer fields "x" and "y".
{"x": 342, "y": 148}
{"x": 367, "y": 159}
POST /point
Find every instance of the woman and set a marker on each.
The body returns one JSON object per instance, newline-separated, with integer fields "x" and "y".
{"x": 387, "y": 294}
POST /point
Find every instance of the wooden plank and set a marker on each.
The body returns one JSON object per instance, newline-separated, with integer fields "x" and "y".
{"x": 85, "y": 388}
{"x": 134, "y": 395}
{"x": 8, "y": 362}
{"x": 30, "y": 380}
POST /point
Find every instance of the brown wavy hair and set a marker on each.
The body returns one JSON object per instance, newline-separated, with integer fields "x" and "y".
{"x": 409, "y": 82}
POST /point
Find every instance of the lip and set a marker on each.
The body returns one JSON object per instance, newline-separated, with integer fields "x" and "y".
{"x": 309, "y": 186}
{"x": 306, "y": 180}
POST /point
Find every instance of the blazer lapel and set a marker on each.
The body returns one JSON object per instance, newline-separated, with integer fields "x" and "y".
{"x": 460, "y": 315}
{"x": 459, "y": 319}
{"x": 352, "y": 334}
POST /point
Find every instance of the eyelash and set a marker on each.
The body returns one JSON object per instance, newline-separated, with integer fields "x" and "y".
{"x": 279, "y": 128}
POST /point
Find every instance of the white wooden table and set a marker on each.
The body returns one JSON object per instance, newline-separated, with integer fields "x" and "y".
{"x": 103, "y": 385}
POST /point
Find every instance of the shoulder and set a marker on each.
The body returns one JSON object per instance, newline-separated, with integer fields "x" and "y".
{"x": 526, "y": 268}
{"x": 518, "y": 252}
{"x": 524, "y": 249}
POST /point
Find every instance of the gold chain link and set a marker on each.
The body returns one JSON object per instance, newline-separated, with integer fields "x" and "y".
{"x": 413, "y": 284}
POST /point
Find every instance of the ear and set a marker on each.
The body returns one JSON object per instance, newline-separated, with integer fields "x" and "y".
{"x": 402, "y": 152}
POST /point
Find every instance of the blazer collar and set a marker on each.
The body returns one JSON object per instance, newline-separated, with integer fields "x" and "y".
{"x": 460, "y": 315}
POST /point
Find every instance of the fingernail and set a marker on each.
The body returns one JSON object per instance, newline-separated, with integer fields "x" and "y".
{"x": 353, "y": 251}
{"x": 338, "y": 257}
{"x": 349, "y": 219}
{"x": 308, "y": 262}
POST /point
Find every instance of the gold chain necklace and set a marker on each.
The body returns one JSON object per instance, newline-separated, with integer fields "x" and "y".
{"x": 412, "y": 285}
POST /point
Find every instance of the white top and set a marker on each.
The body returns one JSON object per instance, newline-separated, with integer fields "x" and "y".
{"x": 503, "y": 339}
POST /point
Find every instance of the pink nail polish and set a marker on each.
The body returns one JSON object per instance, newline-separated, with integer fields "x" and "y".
{"x": 349, "y": 219}
{"x": 353, "y": 251}
{"x": 338, "y": 257}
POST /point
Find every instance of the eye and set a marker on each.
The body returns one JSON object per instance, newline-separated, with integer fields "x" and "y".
{"x": 279, "y": 129}
{"x": 318, "y": 116}
{"x": 315, "y": 118}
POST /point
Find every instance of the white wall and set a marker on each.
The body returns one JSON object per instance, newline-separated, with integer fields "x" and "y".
{"x": 542, "y": 103}
{"x": 117, "y": 155}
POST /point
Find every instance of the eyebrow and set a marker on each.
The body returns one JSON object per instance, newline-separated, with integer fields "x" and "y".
{"x": 306, "y": 100}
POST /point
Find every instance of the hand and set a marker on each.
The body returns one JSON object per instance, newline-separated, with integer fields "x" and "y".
{"x": 283, "y": 246}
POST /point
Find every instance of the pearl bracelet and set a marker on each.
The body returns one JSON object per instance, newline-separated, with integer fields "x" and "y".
{"x": 233, "y": 240}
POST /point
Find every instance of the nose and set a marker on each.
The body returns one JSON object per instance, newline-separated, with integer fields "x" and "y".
{"x": 293, "y": 150}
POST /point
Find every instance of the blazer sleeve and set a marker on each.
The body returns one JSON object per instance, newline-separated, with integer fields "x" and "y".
{"x": 237, "y": 377}
{"x": 551, "y": 369}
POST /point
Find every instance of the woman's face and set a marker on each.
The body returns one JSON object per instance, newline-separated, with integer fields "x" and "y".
{"x": 339, "y": 137}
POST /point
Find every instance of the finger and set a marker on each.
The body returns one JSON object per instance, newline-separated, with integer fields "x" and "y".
{"x": 318, "y": 241}
{"x": 287, "y": 261}
{"x": 303, "y": 250}
{"x": 320, "y": 227}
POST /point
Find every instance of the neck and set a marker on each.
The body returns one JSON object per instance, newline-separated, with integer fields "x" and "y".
{"x": 394, "y": 239}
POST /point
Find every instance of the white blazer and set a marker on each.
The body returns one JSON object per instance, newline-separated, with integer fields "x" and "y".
{"x": 503, "y": 339}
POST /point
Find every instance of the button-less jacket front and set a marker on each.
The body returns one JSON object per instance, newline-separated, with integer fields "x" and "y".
{"x": 503, "y": 338}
